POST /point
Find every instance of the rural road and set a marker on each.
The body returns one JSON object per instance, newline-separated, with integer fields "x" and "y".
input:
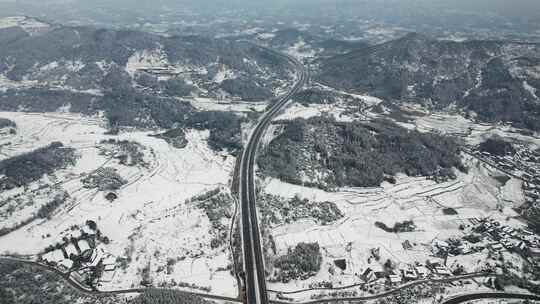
{"x": 453, "y": 300}
{"x": 490, "y": 295}
{"x": 84, "y": 290}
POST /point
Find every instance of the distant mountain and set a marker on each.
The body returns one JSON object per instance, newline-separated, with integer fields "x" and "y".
{"x": 334, "y": 47}
{"x": 288, "y": 37}
{"x": 323, "y": 46}
{"x": 497, "y": 80}
{"x": 84, "y": 69}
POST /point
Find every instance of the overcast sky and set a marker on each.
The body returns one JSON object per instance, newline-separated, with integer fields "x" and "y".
{"x": 516, "y": 11}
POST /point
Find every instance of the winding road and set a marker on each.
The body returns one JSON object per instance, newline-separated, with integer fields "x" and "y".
{"x": 255, "y": 276}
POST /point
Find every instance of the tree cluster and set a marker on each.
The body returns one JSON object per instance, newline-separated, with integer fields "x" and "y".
{"x": 25, "y": 284}
{"x": 175, "y": 137}
{"x": 29, "y": 167}
{"x": 46, "y": 210}
{"x": 104, "y": 179}
{"x": 405, "y": 226}
{"x": 359, "y": 154}
{"x": 7, "y": 123}
{"x": 497, "y": 146}
{"x": 129, "y": 153}
{"x": 276, "y": 210}
{"x": 225, "y": 128}
{"x": 217, "y": 208}
{"x": 301, "y": 262}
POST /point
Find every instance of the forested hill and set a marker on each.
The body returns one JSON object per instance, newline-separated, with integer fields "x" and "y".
{"x": 499, "y": 81}
{"x": 325, "y": 153}
{"x": 141, "y": 75}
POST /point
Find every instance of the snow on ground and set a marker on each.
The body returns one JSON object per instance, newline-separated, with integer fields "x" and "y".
{"x": 150, "y": 214}
{"x": 367, "y": 99}
{"x": 266, "y": 36}
{"x": 6, "y": 83}
{"x": 473, "y": 195}
{"x": 30, "y": 25}
{"x": 530, "y": 89}
{"x": 210, "y": 104}
{"x": 473, "y": 133}
{"x": 146, "y": 59}
{"x": 300, "y": 111}
{"x": 223, "y": 74}
{"x": 301, "y": 50}
{"x": 444, "y": 123}
{"x": 341, "y": 110}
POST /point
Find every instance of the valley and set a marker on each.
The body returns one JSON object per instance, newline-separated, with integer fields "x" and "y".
{"x": 267, "y": 162}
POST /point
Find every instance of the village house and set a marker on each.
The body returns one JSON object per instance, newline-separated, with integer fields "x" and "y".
{"x": 443, "y": 271}
{"x": 55, "y": 256}
{"x": 394, "y": 278}
{"x": 71, "y": 250}
{"x": 422, "y": 271}
{"x": 83, "y": 246}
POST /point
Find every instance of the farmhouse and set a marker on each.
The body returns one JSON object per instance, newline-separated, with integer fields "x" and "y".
{"x": 83, "y": 246}
{"x": 55, "y": 256}
{"x": 71, "y": 250}
{"x": 394, "y": 278}
{"x": 442, "y": 270}
{"x": 368, "y": 275}
{"x": 422, "y": 271}
{"x": 66, "y": 264}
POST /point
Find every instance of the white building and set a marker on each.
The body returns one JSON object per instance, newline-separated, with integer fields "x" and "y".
{"x": 70, "y": 249}
{"x": 83, "y": 245}
{"x": 54, "y": 256}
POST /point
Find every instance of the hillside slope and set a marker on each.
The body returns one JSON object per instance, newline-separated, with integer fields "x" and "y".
{"x": 141, "y": 75}
{"x": 497, "y": 80}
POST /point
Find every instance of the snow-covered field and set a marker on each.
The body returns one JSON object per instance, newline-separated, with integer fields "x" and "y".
{"x": 209, "y": 104}
{"x": 300, "y": 50}
{"x": 30, "y": 25}
{"x": 473, "y": 133}
{"x": 355, "y": 108}
{"x": 150, "y": 218}
{"x": 473, "y": 195}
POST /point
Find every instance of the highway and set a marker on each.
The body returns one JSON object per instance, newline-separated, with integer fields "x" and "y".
{"x": 255, "y": 277}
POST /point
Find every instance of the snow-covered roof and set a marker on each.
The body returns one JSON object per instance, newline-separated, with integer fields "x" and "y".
{"x": 83, "y": 245}
{"x": 394, "y": 278}
{"x": 70, "y": 249}
{"x": 54, "y": 256}
{"x": 67, "y": 263}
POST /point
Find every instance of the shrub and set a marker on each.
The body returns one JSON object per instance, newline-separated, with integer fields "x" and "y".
{"x": 449, "y": 211}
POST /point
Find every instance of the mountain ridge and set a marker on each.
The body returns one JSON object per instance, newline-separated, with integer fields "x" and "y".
{"x": 496, "y": 80}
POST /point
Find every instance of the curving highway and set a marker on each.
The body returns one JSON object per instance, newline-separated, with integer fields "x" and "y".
{"x": 255, "y": 277}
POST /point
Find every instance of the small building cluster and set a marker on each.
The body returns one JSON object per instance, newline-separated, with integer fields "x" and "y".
{"x": 519, "y": 240}
{"x": 82, "y": 257}
{"x": 523, "y": 164}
